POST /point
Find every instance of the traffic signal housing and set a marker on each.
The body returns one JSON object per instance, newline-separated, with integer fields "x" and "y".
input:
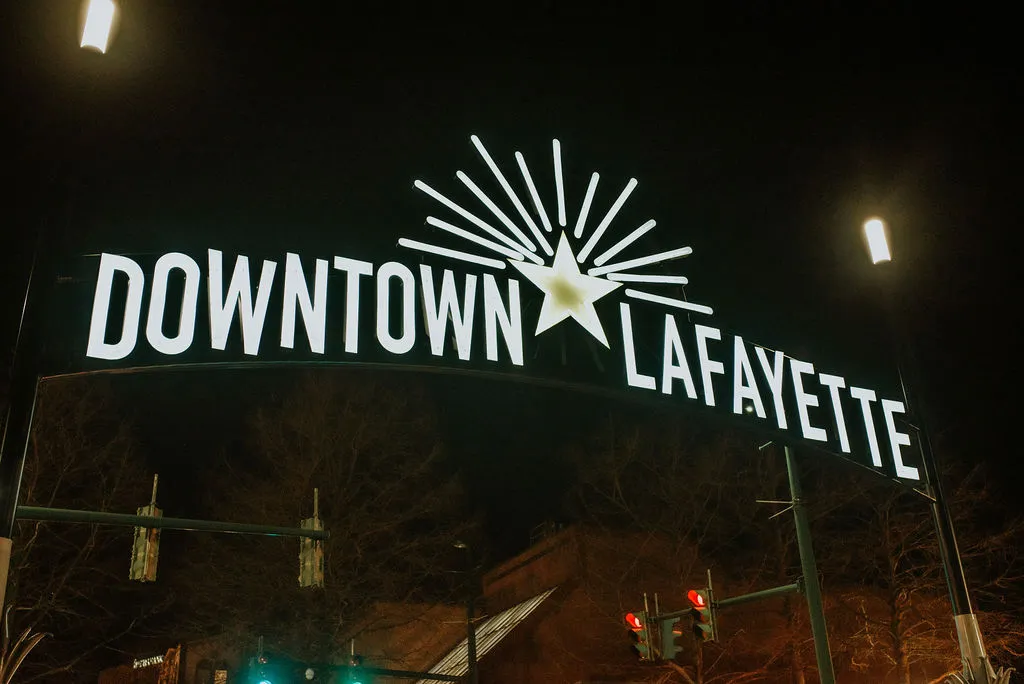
{"x": 354, "y": 674}
{"x": 266, "y": 670}
{"x": 640, "y": 634}
{"x": 703, "y": 614}
{"x": 670, "y": 631}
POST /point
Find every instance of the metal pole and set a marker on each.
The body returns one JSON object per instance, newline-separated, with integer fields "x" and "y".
{"x": 471, "y": 631}
{"x": 17, "y": 428}
{"x": 473, "y": 582}
{"x": 153, "y": 522}
{"x": 972, "y": 647}
{"x": 755, "y": 596}
{"x": 809, "y": 568}
{"x": 13, "y": 447}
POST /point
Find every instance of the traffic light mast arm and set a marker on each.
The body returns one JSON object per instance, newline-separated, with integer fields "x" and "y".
{"x": 735, "y": 600}
{"x": 153, "y": 522}
{"x": 758, "y": 595}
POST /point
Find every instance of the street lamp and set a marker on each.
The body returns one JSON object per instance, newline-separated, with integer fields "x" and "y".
{"x": 24, "y": 384}
{"x": 99, "y": 21}
{"x": 470, "y": 612}
{"x": 972, "y": 648}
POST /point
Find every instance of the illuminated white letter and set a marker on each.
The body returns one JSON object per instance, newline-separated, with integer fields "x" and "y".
{"x": 314, "y": 312}
{"x": 98, "y": 347}
{"x": 898, "y": 439}
{"x": 804, "y": 400}
{"x": 158, "y": 300}
{"x": 239, "y": 295}
{"x": 510, "y": 320}
{"x": 633, "y": 378}
{"x": 446, "y": 307}
{"x": 407, "y": 335}
{"x": 865, "y": 397}
{"x": 834, "y": 384}
{"x": 354, "y": 268}
{"x": 773, "y": 374}
{"x": 743, "y": 384}
{"x": 707, "y": 366}
{"x": 674, "y": 350}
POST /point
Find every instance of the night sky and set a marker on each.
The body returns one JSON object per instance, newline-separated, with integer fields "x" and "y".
{"x": 762, "y": 140}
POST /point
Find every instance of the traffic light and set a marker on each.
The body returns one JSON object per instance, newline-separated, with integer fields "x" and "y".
{"x": 355, "y": 674}
{"x": 263, "y": 670}
{"x": 146, "y": 549}
{"x": 703, "y": 614}
{"x": 311, "y": 551}
{"x": 670, "y": 631}
{"x": 640, "y": 634}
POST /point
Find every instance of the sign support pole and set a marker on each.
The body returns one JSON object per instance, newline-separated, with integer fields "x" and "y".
{"x": 809, "y": 568}
{"x": 13, "y": 447}
{"x": 974, "y": 659}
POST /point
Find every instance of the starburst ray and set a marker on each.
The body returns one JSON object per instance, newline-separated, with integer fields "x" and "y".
{"x": 472, "y": 218}
{"x": 624, "y": 242}
{"x": 511, "y": 194}
{"x": 533, "y": 191}
{"x": 450, "y": 253}
{"x": 669, "y": 301}
{"x": 641, "y": 261}
{"x": 483, "y": 242}
{"x": 556, "y": 151}
{"x": 585, "y": 209}
{"x": 606, "y": 221}
{"x": 647, "y": 278}
{"x": 502, "y": 216}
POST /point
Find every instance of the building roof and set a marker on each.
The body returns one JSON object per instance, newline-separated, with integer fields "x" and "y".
{"x": 488, "y": 634}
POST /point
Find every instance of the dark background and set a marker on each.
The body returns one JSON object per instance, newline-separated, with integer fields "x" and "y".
{"x": 762, "y": 140}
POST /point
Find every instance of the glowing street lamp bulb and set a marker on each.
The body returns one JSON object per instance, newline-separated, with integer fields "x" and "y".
{"x": 99, "y": 19}
{"x": 874, "y": 231}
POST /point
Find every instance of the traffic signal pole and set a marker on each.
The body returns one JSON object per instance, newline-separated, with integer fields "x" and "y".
{"x": 44, "y": 514}
{"x": 809, "y": 568}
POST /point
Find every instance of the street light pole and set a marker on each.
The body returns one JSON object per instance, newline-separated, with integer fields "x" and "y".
{"x": 972, "y": 648}
{"x": 17, "y": 428}
{"x": 470, "y": 613}
{"x": 100, "y": 16}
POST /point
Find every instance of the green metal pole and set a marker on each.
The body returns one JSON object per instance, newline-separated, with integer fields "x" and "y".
{"x": 756, "y": 596}
{"x": 129, "y": 520}
{"x": 809, "y": 568}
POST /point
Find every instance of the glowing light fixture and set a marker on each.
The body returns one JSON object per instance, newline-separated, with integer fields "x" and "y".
{"x": 878, "y": 244}
{"x": 99, "y": 20}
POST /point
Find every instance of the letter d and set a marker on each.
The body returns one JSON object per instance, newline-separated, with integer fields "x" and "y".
{"x": 98, "y": 346}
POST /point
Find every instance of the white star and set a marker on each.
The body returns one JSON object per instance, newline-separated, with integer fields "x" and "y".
{"x": 567, "y": 292}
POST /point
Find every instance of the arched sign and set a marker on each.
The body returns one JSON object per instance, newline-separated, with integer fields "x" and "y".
{"x": 505, "y": 262}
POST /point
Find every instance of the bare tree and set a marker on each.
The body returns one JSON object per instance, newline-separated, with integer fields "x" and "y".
{"x": 888, "y": 543}
{"x": 71, "y": 580}
{"x": 387, "y": 495}
{"x": 694, "y": 491}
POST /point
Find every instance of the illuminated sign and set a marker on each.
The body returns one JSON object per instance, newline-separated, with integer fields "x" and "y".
{"x": 467, "y": 308}
{"x": 147, "y": 662}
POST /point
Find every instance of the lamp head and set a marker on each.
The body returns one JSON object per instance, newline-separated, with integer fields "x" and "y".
{"x": 878, "y": 240}
{"x": 99, "y": 24}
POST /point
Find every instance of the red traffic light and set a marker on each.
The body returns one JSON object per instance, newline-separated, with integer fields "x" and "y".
{"x": 634, "y": 622}
{"x": 696, "y": 599}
